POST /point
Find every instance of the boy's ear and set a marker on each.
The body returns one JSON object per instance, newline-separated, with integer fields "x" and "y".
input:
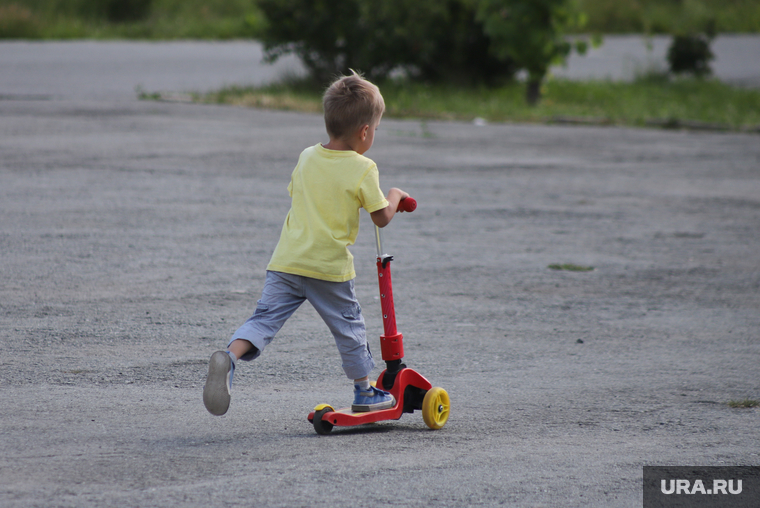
{"x": 363, "y": 131}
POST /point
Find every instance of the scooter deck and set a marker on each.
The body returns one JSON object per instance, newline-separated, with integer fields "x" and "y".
{"x": 347, "y": 418}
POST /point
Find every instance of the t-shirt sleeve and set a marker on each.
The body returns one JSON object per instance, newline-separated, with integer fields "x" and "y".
{"x": 370, "y": 194}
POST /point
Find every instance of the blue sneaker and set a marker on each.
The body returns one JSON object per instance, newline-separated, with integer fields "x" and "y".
{"x": 216, "y": 392}
{"x": 373, "y": 399}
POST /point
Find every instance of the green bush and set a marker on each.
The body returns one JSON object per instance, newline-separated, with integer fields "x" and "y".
{"x": 120, "y": 11}
{"x": 434, "y": 40}
{"x": 113, "y": 11}
{"x": 17, "y": 22}
{"x": 690, "y": 54}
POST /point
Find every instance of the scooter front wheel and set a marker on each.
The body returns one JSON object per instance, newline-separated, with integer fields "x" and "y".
{"x": 435, "y": 408}
{"x": 322, "y": 427}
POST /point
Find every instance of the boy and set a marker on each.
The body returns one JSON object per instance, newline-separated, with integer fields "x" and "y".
{"x": 311, "y": 261}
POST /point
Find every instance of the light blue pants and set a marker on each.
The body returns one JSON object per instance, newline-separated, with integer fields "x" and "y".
{"x": 335, "y": 302}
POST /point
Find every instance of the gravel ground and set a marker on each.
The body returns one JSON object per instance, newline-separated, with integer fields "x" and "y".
{"x": 134, "y": 237}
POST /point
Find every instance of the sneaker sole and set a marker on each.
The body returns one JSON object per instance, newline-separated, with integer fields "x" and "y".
{"x": 216, "y": 395}
{"x": 366, "y": 408}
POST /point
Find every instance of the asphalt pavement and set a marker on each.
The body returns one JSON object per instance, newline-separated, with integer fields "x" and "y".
{"x": 134, "y": 237}
{"x": 625, "y": 57}
{"x": 117, "y": 70}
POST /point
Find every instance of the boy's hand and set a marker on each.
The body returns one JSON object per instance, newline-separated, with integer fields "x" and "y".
{"x": 401, "y": 195}
{"x": 381, "y": 218}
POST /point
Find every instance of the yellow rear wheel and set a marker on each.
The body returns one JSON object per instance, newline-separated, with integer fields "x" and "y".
{"x": 435, "y": 408}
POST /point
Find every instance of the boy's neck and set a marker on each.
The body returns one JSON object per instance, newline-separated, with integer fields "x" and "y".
{"x": 337, "y": 144}
{"x": 359, "y": 142}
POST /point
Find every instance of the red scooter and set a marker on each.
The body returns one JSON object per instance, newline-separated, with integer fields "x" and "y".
{"x": 411, "y": 390}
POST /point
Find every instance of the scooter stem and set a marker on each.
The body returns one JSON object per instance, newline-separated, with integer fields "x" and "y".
{"x": 391, "y": 342}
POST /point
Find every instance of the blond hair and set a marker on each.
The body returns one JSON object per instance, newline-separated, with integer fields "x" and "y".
{"x": 349, "y": 103}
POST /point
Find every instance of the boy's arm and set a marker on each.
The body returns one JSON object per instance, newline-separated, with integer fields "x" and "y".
{"x": 382, "y": 217}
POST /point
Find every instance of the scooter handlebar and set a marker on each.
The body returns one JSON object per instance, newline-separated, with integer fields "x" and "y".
{"x": 407, "y": 205}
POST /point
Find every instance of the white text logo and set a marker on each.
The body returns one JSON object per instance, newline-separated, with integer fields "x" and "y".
{"x": 698, "y": 487}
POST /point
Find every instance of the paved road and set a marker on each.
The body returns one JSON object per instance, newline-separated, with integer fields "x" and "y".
{"x": 624, "y": 57}
{"x": 134, "y": 236}
{"x": 114, "y": 70}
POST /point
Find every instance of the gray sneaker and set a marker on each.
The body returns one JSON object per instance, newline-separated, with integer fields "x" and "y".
{"x": 216, "y": 392}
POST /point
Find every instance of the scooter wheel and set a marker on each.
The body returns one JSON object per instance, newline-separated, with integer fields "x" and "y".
{"x": 322, "y": 427}
{"x": 435, "y": 408}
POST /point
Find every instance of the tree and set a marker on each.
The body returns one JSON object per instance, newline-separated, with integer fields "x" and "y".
{"x": 475, "y": 41}
{"x": 531, "y": 33}
{"x": 433, "y": 40}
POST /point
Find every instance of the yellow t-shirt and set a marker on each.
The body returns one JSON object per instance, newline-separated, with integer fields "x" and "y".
{"x": 327, "y": 187}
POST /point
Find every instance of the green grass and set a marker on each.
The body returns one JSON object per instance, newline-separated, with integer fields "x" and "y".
{"x": 224, "y": 19}
{"x": 743, "y": 404}
{"x": 690, "y": 103}
{"x": 571, "y": 267}
{"x": 295, "y": 96}
{"x": 670, "y": 16}
{"x": 164, "y": 19}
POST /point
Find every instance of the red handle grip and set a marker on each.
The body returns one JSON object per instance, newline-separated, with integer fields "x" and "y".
{"x": 407, "y": 205}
